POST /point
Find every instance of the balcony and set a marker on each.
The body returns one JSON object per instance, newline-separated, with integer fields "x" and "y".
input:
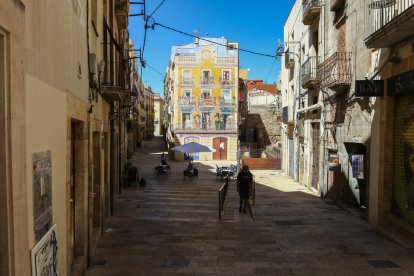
{"x": 187, "y": 82}
{"x": 122, "y": 13}
{"x": 227, "y": 82}
{"x": 194, "y": 126}
{"x": 112, "y": 93}
{"x": 186, "y": 60}
{"x": 311, "y": 10}
{"x": 289, "y": 60}
{"x": 388, "y": 22}
{"x": 188, "y": 104}
{"x": 207, "y": 104}
{"x": 228, "y": 105}
{"x": 309, "y": 72}
{"x": 335, "y": 72}
{"x": 226, "y": 61}
{"x": 207, "y": 82}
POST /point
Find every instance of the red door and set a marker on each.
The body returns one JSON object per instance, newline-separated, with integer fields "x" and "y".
{"x": 220, "y": 145}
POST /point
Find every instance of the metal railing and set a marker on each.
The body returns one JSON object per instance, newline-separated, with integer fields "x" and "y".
{"x": 209, "y": 81}
{"x": 187, "y": 82}
{"x": 336, "y": 70}
{"x": 309, "y": 71}
{"x": 205, "y": 126}
{"x": 222, "y": 192}
{"x": 381, "y": 12}
{"x": 225, "y": 82}
{"x": 187, "y": 102}
{"x": 228, "y": 103}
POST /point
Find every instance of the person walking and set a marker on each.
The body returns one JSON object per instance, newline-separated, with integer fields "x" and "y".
{"x": 244, "y": 184}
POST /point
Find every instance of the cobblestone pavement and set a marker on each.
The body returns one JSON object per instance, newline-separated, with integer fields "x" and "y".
{"x": 172, "y": 228}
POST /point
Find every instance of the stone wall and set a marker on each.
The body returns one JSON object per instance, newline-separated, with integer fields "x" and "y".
{"x": 267, "y": 124}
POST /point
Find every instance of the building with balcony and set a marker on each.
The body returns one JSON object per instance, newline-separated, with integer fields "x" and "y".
{"x": 389, "y": 37}
{"x": 201, "y": 92}
{"x": 321, "y": 117}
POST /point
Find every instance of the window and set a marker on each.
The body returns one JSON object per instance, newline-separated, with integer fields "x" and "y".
{"x": 226, "y": 96}
{"x": 187, "y": 93}
{"x": 186, "y": 76}
{"x": 206, "y": 74}
{"x": 226, "y": 75}
{"x": 231, "y": 46}
{"x": 205, "y": 94}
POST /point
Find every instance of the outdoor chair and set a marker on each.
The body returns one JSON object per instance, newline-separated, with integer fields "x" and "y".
{"x": 188, "y": 174}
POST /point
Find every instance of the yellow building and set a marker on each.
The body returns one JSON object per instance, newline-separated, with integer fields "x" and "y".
{"x": 203, "y": 103}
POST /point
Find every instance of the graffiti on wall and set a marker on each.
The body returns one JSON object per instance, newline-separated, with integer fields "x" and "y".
{"x": 403, "y": 189}
{"x": 44, "y": 255}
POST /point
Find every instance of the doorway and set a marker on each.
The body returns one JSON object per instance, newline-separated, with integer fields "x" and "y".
{"x": 77, "y": 191}
{"x": 220, "y": 145}
{"x": 315, "y": 155}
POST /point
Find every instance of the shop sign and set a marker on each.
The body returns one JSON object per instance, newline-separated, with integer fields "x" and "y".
{"x": 369, "y": 88}
{"x": 401, "y": 84}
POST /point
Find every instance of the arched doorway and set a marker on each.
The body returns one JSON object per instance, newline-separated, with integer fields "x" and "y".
{"x": 220, "y": 145}
{"x": 194, "y": 155}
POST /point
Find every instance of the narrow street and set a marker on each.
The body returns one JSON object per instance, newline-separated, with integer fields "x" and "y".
{"x": 172, "y": 228}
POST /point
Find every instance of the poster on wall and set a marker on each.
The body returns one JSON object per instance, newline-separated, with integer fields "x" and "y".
{"x": 42, "y": 193}
{"x": 358, "y": 166}
{"x": 44, "y": 255}
{"x": 334, "y": 165}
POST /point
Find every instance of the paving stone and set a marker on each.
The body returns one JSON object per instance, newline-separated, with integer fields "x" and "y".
{"x": 293, "y": 232}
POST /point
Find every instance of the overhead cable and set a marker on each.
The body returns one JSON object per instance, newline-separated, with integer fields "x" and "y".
{"x": 211, "y": 41}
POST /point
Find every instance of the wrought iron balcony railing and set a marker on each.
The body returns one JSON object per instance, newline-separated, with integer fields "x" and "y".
{"x": 199, "y": 126}
{"x": 388, "y": 21}
{"x": 311, "y": 9}
{"x": 335, "y": 71}
{"x": 227, "y": 82}
{"x": 228, "y": 105}
{"x": 309, "y": 75}
{"x": 187, "y": 103}
{"x": 208, "y": 81}
{"x": 187, "y": 82}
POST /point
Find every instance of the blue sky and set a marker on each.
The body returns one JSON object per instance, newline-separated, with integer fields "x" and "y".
{"x": 256, "y": 25}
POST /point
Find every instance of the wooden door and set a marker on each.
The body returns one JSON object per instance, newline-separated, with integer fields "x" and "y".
{"x": 220, "y": 145}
